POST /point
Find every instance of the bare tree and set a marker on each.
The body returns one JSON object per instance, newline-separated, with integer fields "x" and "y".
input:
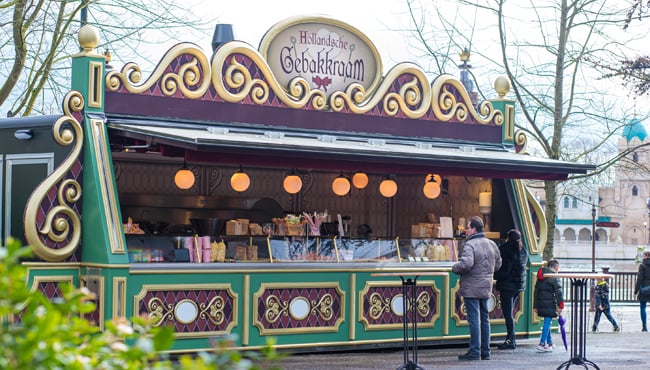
{"x": 548, "y": 49}
{"x": 39, "y": 37}
{"x": 635, "y": 72}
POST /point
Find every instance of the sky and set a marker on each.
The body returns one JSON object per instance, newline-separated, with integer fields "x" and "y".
{"x": 374, "y": 18}
{"x": 382, "y": 21}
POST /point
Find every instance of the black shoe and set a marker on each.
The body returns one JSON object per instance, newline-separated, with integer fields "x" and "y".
{"x": 594, "y": 329}
{"x": 486, "y": 357}
{"x": 644, "y": 328}
{"x": 469, "y": 357}
{"x": 508, "y": 344}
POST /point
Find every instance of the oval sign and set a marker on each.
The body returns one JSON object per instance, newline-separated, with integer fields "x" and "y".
{"x": 328, "y": 53}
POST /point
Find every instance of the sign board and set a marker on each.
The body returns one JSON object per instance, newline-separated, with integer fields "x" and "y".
{"x": 328, "y": 53}
{"x": 608, "y": 224}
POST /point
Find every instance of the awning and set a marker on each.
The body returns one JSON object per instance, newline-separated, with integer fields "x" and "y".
{"x": 241, "y": 145}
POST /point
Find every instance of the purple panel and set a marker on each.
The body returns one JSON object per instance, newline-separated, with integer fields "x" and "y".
{"x": 388, "y": 316}
{"x": 283, "y": 297}
{"x": 202, "y": 298}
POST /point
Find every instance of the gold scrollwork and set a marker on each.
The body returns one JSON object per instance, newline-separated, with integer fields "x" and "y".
{"x": 444, "y": 99}
{"x": 521, "y": 140}
{"x": 323, "y": 307}
{"x": 192, "y": 79}
{"x": 236, "y": 76}
{"x": 214, "y": 310}
{"x": 422, "y": 303}
{"x": 275, "y": 308}
{"x": 61, "y": 222}
{"x": 378, "y": 305}
{"x": 412, "y": 100}
{"x": 158, "y": 312}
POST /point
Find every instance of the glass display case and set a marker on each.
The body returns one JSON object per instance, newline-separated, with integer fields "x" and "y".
{"x": 261, "y": 248}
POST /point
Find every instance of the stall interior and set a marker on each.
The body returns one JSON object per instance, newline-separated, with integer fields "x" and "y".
{"x": 210, "y": 221}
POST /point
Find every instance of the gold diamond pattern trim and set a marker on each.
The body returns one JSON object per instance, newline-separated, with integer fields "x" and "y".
{"x": 233, "y": 81}
{"x": 61, "y": 222}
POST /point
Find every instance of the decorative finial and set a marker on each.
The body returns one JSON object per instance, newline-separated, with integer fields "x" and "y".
{"x": 464, "y": 56}
{"x": 502, "y": 86}
{"x": 88, "y": 38}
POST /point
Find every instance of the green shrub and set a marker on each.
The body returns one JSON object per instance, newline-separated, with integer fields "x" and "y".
{"x": 36, "y": 333}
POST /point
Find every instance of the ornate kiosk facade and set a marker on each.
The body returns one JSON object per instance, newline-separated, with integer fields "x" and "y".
{"x": 312, "y": 102}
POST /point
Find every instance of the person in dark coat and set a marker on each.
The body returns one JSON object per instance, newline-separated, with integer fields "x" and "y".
{"x": 601, "y": 293}
{"x": 643, "y": 279}
{"x": 548, "y": 302}
{"x": 511, "y": 280}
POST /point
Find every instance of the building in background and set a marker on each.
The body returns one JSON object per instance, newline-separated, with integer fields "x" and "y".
{"x": 626, "y": 203}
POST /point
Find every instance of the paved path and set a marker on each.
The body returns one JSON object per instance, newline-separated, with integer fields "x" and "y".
{"x": 629, "y": 350}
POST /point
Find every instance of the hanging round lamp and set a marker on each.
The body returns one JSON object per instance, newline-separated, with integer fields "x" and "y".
{"x": 240, "y": 181}
{"x": 184, "y": 178}
{"x": 436, "y": 178}
{"x": 388, "y": 188}
{"x": 432, "y": 188}
{"x": 360, "y": 180}
{"x": 292, "y": 183}
{"x": 341, "y": 185}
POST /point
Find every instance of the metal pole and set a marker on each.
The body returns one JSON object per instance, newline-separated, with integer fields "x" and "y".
{"x": 84, "y": 13}
{"x": 593, "y": 238}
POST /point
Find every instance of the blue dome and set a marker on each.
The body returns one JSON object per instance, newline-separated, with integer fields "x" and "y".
{"x": 634, "y": 129}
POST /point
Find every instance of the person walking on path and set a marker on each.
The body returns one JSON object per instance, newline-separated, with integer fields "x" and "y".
{"x": 642, "y": 280}
{"x": 511, "y": 280}
{"x": 548, "y": 302}
{"x": 476, "y": 266}
{"x": 601, "y": 292}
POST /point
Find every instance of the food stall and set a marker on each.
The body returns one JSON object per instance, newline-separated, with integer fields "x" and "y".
{"x": 256, "y": 191}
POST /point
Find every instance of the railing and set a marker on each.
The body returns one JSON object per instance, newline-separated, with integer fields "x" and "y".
{"x": 621, "y": 287}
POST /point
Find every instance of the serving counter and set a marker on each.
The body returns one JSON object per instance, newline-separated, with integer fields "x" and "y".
{"x": 300, "y": 304}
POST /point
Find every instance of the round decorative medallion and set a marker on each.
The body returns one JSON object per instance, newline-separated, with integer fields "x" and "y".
{"x": 186, "y": 311}
{"x": 299, "y": 308}
{"x": 397, "y": 305}
{"x": 492, "y": 302}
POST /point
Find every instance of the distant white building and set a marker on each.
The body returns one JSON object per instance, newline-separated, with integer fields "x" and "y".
{"x": 626, "y": 202}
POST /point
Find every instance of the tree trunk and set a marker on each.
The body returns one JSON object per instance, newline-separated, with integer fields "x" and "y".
{"x": 550, "y": 187}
